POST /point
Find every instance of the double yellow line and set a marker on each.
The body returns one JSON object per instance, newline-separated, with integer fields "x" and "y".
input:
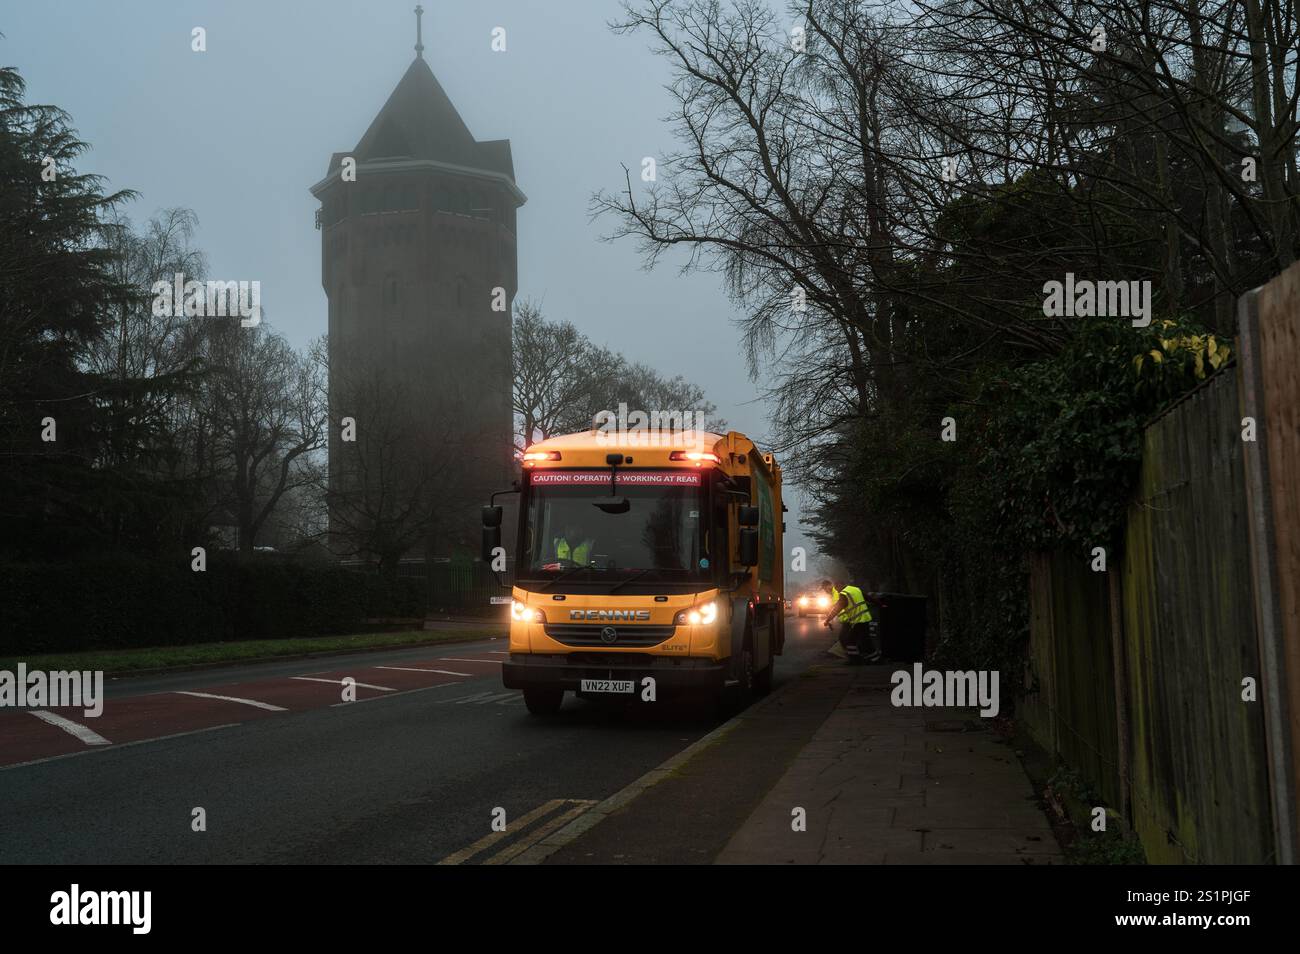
{"x": 577, "y": 807}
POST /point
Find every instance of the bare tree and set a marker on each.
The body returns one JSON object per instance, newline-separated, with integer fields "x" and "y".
{"x": 147, "y": 369}
{"x": 1175, "y": 121}
{"x": 561, "y": 378}
{"x": 262, "y": 415}
{"x": 886, "y": 197}
{"x": 144, "y": 344}
{"x": 399, "y": 481}
{"x": 562, "y": 381}
{"x": 641, "y": 387}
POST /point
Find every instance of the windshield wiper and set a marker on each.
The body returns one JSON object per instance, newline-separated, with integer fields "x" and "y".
{"x": 564, "y": 575}
{"x": 635, "y": 576}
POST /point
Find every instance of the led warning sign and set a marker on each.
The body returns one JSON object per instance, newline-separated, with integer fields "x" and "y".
{"x": 625, "y": 478}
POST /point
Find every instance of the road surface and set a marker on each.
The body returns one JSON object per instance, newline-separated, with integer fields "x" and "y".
{"x": 286, "y": 772}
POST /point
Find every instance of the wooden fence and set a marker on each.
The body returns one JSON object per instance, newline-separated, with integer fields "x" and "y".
{"x": 1171, "y": 682}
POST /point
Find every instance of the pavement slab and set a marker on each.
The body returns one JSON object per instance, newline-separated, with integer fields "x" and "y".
{"x": 884, "y": 785}
{"x": 827, "y": 771}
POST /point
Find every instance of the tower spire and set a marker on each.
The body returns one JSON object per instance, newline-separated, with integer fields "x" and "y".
{"x": 419, "y": 42}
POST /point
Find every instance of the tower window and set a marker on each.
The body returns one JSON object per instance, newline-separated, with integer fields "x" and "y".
{"x": 390, "y": 290}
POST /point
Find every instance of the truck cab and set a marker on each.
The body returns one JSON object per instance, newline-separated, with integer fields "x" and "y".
{"x": 644, "y": 569}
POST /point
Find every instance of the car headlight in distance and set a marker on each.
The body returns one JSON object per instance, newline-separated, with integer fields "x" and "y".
{"x": 521, "y": 613}
{"x": 823, "y": 601}
{"x": 701, "y": 615}
{"x": 803, "y": 601}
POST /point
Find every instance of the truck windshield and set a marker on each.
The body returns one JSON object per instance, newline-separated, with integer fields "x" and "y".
{"x": 652, "y": 527}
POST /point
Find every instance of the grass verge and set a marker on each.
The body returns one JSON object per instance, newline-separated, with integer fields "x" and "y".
{"x": 153, "y": 659}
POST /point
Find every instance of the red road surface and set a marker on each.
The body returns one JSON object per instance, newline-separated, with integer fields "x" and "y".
{"x": 25, "y": 737}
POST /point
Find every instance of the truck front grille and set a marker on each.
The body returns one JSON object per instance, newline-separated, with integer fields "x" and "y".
{"x": 596, "y": 665}
{"x": 588, "y": 635}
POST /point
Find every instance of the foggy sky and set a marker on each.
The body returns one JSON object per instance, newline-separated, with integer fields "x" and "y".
{"x": 239, "y": 132}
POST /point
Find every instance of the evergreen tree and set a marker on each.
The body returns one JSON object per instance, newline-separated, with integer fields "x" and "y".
{"x": 56, "y": 290}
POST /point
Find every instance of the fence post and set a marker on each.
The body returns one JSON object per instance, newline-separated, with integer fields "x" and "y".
{"x": 1278, "y": 731}
{"x": 1119, "y": 669}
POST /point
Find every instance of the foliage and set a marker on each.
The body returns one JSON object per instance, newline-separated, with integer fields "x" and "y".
{"x": 121, "y": 429}
{"x": 913, "y": 180}
{"x": 1063, "y": 439}
{"x": 1056, "y": 450}
{"x": 114, "y": 661}
{"x": 1115, "y": 846}
{"x": 126, "y": 602}
{"x": 1105, "y": 848}
{"x": 1199, "y": 353}
{"x": 56, "y": 284}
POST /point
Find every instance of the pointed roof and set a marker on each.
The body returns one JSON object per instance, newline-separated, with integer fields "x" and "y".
{"x": 420, "y": 122}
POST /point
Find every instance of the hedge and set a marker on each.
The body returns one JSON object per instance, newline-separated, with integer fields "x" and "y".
{"x": 127, "y": 602}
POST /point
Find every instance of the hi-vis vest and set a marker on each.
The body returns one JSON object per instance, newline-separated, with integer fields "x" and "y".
{"x": 577, "y": 554}
{"x": 857, "y": 610}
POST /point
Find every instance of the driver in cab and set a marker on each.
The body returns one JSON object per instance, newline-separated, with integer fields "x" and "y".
{"x": 573, "y": 546}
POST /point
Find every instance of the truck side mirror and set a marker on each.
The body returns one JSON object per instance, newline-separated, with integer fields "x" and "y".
{"x": 749, "y": 546}
{"x": 747, "y": 516}
{"x": 491, "y": 532}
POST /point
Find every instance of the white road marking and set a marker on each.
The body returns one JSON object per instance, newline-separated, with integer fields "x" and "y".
{"x": 445, "y": 672}
{"x": 481, "y": 698}
{"x": 339, "y": 682}
{"x": 464, "y": 659}
{"x": 74, "y": 729}
{"x": 248, "y": 702}
{"x": 395, "y": 695}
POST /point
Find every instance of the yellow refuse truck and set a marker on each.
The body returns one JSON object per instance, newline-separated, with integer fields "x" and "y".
{"x": 644, "y": 568}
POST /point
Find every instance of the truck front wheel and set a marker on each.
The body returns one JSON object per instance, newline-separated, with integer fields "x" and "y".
{"x": 543, "y": 702}
{"x": 745, "y": 674}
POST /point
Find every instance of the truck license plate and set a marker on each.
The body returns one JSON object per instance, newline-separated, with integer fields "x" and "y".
{"x": 607, "y": 685}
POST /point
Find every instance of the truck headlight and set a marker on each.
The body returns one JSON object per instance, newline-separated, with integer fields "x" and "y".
{"x": 701, "y": 615}
{"x": 523, "y": 614}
